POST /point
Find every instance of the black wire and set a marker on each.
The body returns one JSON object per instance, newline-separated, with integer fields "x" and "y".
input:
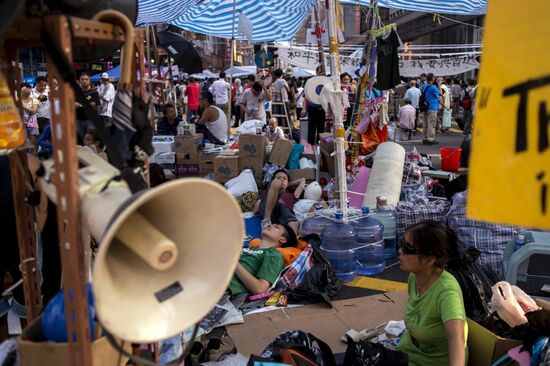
{"x": 144, "y": 361}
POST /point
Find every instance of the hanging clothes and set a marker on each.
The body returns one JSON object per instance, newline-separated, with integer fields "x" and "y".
{"x": 387, "y": 75}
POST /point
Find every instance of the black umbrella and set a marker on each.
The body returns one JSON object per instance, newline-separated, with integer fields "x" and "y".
{"x": 182, "y": 51}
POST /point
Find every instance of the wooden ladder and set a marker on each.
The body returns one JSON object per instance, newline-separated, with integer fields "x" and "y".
{"x": 277, "y": 100}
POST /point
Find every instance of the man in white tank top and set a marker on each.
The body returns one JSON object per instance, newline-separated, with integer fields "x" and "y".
{"x": 213, "y": 120}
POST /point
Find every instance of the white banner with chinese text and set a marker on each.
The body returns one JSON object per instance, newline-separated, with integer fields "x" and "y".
{"x": 309, "y": 59}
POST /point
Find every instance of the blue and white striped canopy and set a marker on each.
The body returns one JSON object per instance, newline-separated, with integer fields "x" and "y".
{"x": 273, "y": 20}
{"x": 461, "y": 7}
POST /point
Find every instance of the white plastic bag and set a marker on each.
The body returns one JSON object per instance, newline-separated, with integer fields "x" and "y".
{"x": 391, "y": 132}
{"x": 302, "y": 207}
{"x": 241, "y": 184}
{"x": 505, "y": 304}
{"x": 306, "y": 163}
{"x": 250, "y": 127}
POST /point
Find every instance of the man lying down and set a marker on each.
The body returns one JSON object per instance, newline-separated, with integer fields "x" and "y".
{"x": 260, "y": 266}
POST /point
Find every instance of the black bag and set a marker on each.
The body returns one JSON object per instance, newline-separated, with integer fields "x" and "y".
{"x": 372, "y": 354}
{"x": 307, "y": 349}
{"x": 321, "y": 283}
{"x": 475, "y": 282}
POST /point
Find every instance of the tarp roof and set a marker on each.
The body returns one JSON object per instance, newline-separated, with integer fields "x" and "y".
{"x": 462, "y": 7}
{"x": 272, "y": 20}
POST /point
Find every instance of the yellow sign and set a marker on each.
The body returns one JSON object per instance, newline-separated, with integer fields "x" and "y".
{"x": 510, "y": 164}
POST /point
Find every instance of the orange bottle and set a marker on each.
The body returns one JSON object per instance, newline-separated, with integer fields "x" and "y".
{"x": 12, "y": 131}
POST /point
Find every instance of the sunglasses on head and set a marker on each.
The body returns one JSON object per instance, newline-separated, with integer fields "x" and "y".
{"x": 408, "y": 248}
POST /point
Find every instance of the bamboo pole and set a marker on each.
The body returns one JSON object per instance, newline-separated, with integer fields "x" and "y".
{"x": 339, "y": 131}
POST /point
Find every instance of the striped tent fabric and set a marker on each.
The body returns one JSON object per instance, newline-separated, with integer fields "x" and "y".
{"x": 460, "y": 7}
{"x": 161, "y": 11}
{"x": 271, "y": 19}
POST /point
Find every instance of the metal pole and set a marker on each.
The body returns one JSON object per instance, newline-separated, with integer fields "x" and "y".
{"x": 233, "y": 45}
{"x": 339, "y": 131}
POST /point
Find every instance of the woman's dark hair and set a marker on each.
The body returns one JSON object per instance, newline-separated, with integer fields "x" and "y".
{"x": 431, "y": 238}
{"x": 27, "y": 85}
{"x": 168, "y": 106}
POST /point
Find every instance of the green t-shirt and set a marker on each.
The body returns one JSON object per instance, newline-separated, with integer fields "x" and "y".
{"x": 264, "y": 264}
{"x": 425, "y": 317}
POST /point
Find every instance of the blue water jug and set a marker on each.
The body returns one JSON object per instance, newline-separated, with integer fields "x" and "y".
{"x": 370, "y": 245}
{"x": 338, "y": 242}
{"x": 315, "y": 224}
{"x": 386, "y": 215}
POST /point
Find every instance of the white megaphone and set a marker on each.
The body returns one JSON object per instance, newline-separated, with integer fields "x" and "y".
{"x": 166, "y": 255}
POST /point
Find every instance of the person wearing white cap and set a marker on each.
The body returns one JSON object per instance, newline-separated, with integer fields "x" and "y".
{"x": 107, "y": 97}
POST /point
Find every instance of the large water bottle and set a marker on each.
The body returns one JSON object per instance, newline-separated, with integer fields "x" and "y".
{"x": 370, "y": 245}
{"x": 386, "y": 215}
{"x": 338, "y": 241}
{"x": 315, "y": 224}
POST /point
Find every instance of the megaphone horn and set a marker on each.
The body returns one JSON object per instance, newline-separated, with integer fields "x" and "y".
{"x": 166, "y": 257}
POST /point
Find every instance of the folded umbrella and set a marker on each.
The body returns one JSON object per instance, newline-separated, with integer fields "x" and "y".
{"x": 182, "y": 51}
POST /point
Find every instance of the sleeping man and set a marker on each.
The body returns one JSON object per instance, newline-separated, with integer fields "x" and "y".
{"x": 260, "y": 266}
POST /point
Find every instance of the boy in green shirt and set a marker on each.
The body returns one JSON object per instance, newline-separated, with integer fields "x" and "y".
{"x": 259, "y": 267}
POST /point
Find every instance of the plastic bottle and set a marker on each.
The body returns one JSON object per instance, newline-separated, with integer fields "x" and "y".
{"x": 338, "y": 241}
{"x": 520, "y": 241}
{"x": 179, "y": 129}
{"x": 370, "y": 245}
{"x": 315, "y": 224}
{"x": 386, "y": 215}
{"x": 12, "y": 131}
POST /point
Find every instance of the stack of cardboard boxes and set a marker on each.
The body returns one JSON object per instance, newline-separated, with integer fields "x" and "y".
{"x": 252, "y": 154}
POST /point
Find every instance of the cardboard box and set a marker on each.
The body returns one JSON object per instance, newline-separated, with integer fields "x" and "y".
{"x": 484, "y": 346}
{"x": 280, "y": 152}
{"x": 326, "y": 323}
{"x": 164, "y": 158}
{"x": 327, "y": 141}
{"x": 328, "y": 162}
{"x": 252, "y": 146}
{"x": 206, "y": 163}
{"x": 188, "y": 170}
{"x": 188, "y": 144}
{"x": 163, "y": 144}
{"x": 226, "y": 167}
{"x": 254, "y": 164}
{"x": 190, "y": 158}
{"x": 34, "y": 351}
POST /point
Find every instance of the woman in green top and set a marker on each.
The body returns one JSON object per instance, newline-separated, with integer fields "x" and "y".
{"x": 435, "y": 318}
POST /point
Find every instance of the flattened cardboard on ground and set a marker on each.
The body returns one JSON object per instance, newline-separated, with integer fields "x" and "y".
{"x": 328, "y": 324}
{"x": 484, "y": 346}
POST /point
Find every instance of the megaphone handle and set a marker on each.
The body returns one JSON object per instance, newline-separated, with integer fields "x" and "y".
{"x": 127, "y": 52}
{"x": 145, "y": 240}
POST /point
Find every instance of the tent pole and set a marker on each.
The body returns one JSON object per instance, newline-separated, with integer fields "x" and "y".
{"x": 316, "y": 14}
{"x": 150, "y": 65}
{"x": 233, "y": 46}
{"x": 339, "y": 131}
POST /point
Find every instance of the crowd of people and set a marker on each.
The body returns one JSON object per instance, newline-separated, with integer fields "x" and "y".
{"x": 430, "y": 102}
